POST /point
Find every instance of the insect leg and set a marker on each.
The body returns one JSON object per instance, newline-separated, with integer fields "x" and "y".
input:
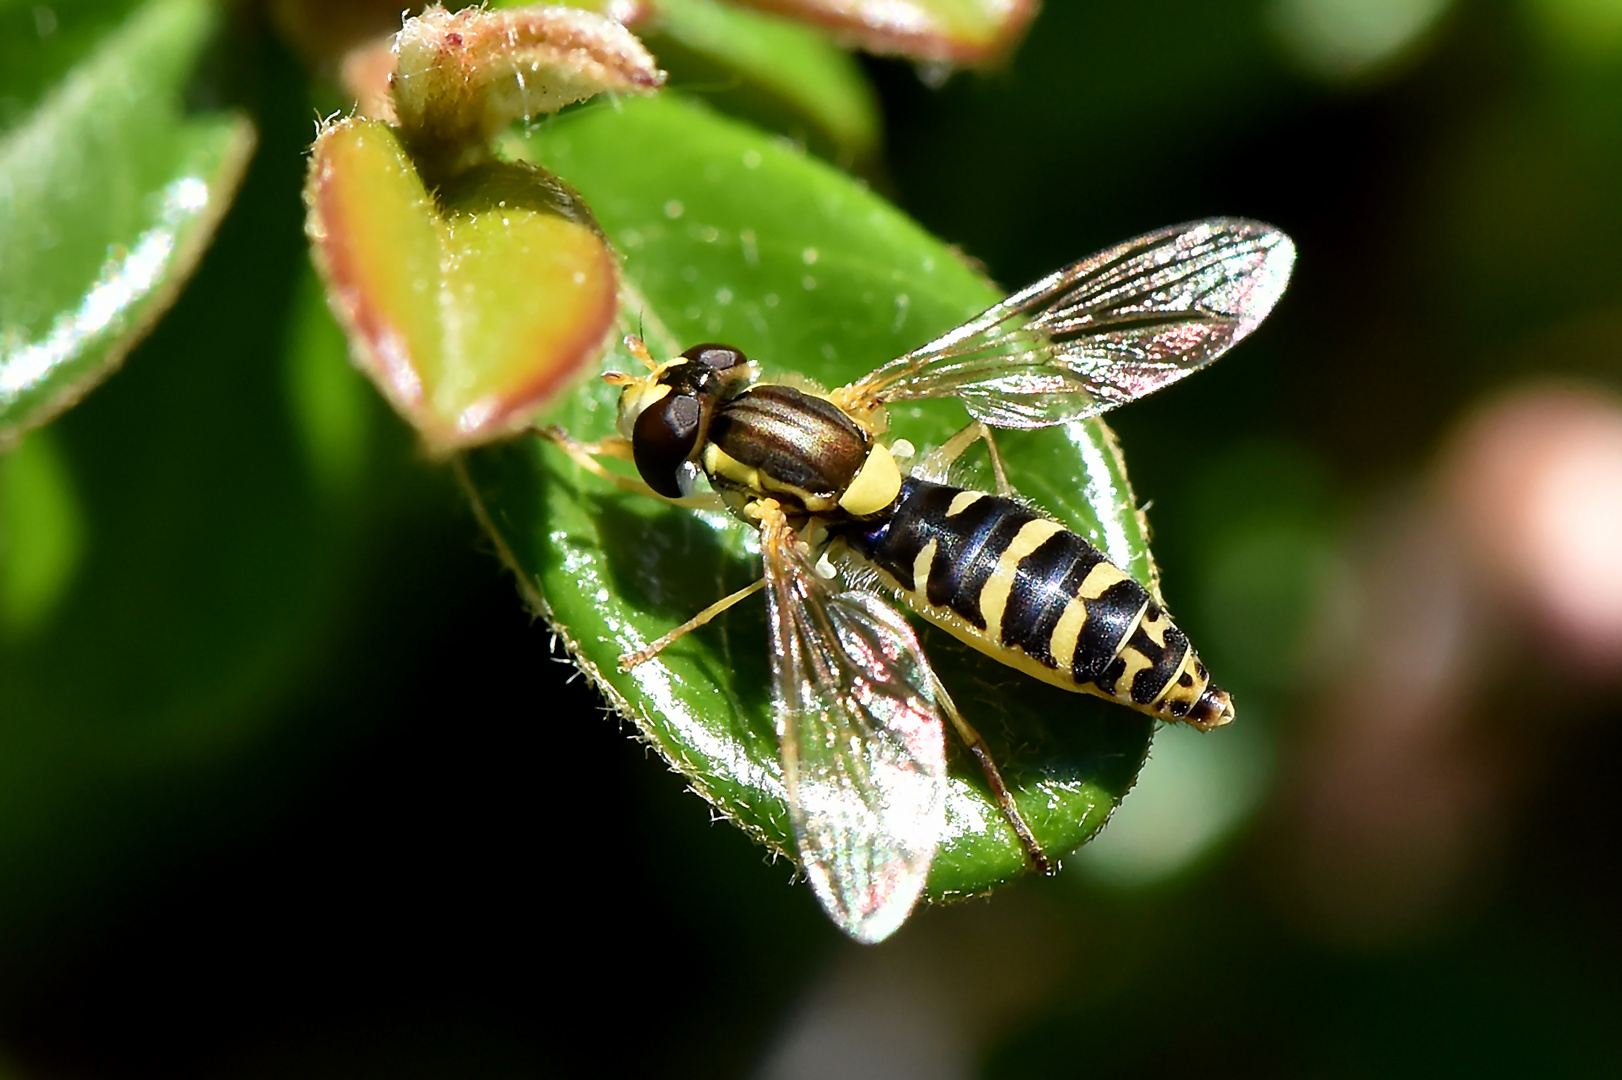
{"x": 939, "y": 461}
{"x": 1005, "y": 800}
{"x": 586, "y": 456}
{"x": 643, "y": 655}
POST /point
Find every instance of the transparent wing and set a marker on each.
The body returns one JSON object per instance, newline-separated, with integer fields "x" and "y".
{"x": 1103, "y": 331}
{"x": 864, "y": 757}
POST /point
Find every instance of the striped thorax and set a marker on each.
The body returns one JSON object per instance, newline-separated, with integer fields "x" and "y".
{"x": 781, "y": 442}
{"x": 754, "y": 440}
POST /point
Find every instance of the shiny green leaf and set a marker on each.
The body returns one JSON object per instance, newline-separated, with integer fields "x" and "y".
{"x": 112, "y": 177}
{"x": 734, "y": 238}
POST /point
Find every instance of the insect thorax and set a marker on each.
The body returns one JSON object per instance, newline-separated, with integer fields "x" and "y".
{"x": 779, "y": 442}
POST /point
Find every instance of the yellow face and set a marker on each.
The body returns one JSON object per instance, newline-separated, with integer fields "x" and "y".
{"x": 636, "y": 394}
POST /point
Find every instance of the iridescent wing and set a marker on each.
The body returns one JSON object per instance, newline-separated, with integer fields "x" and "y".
{"x": 863, "y": 745}
{"x": 1103, "y": 331}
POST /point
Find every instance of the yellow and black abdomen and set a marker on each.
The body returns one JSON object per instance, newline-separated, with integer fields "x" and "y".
{"x": 1031, "y": 593}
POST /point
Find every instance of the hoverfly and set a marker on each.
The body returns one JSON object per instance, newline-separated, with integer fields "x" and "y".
{"x": 860, "y": 714}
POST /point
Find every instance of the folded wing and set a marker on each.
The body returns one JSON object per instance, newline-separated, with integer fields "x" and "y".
{"x": 863, "y": 746}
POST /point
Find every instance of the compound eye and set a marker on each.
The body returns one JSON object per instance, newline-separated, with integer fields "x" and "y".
{"x": 663, "y": 438}
{"x": 716, "y": 357}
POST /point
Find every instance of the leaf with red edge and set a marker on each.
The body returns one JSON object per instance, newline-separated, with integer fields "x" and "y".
{"x": 469, "y": 309}
{"x": 463, "y": 77}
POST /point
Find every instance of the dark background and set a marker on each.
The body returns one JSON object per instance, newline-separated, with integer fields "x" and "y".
{"x": 431, "y": 854}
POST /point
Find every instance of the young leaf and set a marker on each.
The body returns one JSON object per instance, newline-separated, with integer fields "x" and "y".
{"x": 463, "y": 76}
{"x": 469, "y": 309}
{"x": 472, "y": 290}
{"x": 728, "y": 236}
{"x": 111, "y": 182}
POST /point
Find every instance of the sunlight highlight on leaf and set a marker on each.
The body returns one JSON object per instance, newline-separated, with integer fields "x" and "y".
{"x": 124, "y": 278}
{"x": 91, "y": 255}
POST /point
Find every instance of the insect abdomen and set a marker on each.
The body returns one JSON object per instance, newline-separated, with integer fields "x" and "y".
{"x": 1035, "y": 595}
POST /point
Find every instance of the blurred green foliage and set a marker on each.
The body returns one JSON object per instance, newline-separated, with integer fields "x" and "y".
{"x": 287, "y": 783}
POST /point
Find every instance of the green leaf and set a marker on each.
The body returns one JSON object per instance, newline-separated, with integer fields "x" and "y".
{"x": 733, "y": 238}
{"x": 766, "y": 69}
{"x": 111, "y": 181}
{"x": 783, "y": 76}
